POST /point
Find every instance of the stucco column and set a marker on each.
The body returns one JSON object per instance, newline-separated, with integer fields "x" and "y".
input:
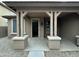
{"x": 19, "y": 23}
{"x": 22, "y": 27}
{"x": 18, "y": 14}
{"x": 55, "y": 24}
{"x": 51, "y": 24}
{"x": 20, "y": 41}
{"x": 53, "y": 39}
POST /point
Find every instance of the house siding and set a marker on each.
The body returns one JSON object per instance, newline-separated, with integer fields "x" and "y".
{"x": 5, "y": 25}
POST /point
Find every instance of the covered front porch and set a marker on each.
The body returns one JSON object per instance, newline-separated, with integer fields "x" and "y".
{"x": 31, "y": 23}
{"x": 56, "y": 29}
{"x": 41, "y": 24}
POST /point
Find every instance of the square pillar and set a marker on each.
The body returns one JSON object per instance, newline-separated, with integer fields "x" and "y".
{"x": 55, "y": 24}
{"x": 22, "y": 26}
{"x": 18, "y": 19}
{"x": 51, "y": 24}
{"x": 21, "y": 40}
{"x": 56, "y": 14}
{"x": 53, "y": 39}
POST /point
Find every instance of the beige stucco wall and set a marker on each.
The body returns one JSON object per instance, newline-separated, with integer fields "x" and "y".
{"x": 3, "y": 21}
{"x": 5, "y": 11}
{"x": 69, "y": 27}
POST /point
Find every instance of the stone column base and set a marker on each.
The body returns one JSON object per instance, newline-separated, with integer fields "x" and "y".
{"x": 20, "y": 42}
{"x": 54, "y": 42}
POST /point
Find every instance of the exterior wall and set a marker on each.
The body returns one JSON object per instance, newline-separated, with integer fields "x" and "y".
{"x": 4, "y": 11}
{"x": 3, "y": 22}
{"x": 69, "y": 27}
{"x": 5, "y": 25}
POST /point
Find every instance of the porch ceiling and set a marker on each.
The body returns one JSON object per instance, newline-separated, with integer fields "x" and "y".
{"x": 37, "y": 14}
{"x": 66, "y": 14}
{"x": 42, "y": 4}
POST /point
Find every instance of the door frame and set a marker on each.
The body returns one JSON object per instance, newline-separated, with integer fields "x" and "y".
{"x": 38, "y": 19}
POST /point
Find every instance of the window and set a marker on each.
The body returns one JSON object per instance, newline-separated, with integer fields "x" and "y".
{"x": 14, "y": 25}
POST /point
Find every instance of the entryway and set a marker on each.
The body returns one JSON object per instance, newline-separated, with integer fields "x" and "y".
{"x": 35, "y": 28}
{"x": 37, "y": 44}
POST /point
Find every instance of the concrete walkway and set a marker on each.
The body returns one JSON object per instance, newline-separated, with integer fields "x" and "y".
{"x": 38, "y": 53}
{"x": 36, "y": 47}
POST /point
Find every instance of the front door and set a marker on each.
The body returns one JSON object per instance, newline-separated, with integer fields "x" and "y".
{"x": 34, "y": 28}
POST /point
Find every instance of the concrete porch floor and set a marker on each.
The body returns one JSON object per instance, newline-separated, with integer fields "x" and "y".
{"x": 68, "y": 45}
{"x": 41, "y": 44}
